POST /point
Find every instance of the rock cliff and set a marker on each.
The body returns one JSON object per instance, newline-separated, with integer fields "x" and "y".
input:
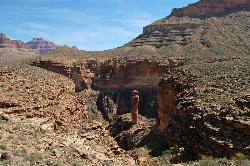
{"x": 4, "y": 41}
{"x": 41, "y": 46}
{"x": 211, "y": 125}
{"x": 185, "y": 99}
{"x": 195, "y": 37}
{"x": 37, "y": 45}
{"x": 18, "y": 44}
{"x": 212, "y": 8}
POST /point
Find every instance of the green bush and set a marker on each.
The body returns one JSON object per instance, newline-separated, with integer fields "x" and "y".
{"x": 20, "y": 152}
{"x": 57, "y": 163}
{"x": 3, "y": 146}
{"x": 34, "y": 157}
{"x": 209, "y": 162}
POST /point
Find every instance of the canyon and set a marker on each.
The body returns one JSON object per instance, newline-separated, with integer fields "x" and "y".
{"x": 177, "y": 93}
{"x": 167, "y": 95}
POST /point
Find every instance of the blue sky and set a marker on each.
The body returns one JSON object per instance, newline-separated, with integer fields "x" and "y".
{"x": 87, "y": 24}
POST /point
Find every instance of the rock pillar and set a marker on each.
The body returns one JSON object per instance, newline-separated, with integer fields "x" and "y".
{"x": 134, "y": 110}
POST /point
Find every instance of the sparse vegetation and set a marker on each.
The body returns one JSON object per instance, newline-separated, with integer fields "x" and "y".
{"x": 33, "y": 158}
{"x": 20, "y": 152}
{"x": 3, "y": 146}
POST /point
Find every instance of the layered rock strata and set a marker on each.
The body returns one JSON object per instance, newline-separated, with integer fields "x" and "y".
{"x": 4, "y": 41}
{"x": 182, "y": 120}
{"x": 198, "y": 39}
{"x": 212, "y": 8}
{"x": 37, "y": 45}
{"x": 41, "y": 46}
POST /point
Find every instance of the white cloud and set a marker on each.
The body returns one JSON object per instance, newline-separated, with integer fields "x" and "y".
{"x": 39, "y": 26}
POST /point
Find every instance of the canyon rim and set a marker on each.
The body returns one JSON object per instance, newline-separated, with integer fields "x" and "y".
{"x": 179, "y": 93}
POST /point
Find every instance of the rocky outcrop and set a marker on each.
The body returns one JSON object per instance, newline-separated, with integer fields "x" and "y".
{"x": 80, "y": 75}
{"x": 41, "y": 46}
{"x": 170, "y": 94}
{"x": 166, "y": 95}
{"x": 193, "y": 107}
{"x": 131, "y": 136}
{"x": 212, "y": 8}
{"x": 122, "y": 73}
{"x": 4, "y": 41}
{"x": 37, "y": 45}
{"x": 115, "y": 80}
{"x": 134, "y": 111}
{"x": 198, "y": 130}
{"x": 197, "y": 39}
{"x": 107, "y": 106}
{"x": 18, "y": 44}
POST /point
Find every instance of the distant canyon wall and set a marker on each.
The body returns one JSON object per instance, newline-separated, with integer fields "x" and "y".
{"x": 38, "y": 45}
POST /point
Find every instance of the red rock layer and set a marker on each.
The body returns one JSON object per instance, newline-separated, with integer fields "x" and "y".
{"x": 4, "y": 41}
{"x": 210, "y": 8}
{"x": 38, "y": 45}
{"x": 41, "y": 46}
{"x": 18, "y": 44}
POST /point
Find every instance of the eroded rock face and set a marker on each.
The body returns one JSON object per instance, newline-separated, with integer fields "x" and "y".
{"x": 4, "y": 41}
{"x": 209, "y": 130}
{"x": 122, "y": 73}
{"x": 198, "y": 40}
{"x": 115, "y": 80}
{"x": 182, "y": 122}
{"x": 36, "y": 46}
{"x": 134, "y": 111}
{"x": 166, "y": 95}
{"x": 18, "y": 44}
{"x": 80, "y": 75}
{"x": 41, "y": 46}
{"x": 107, "y": 106}
{"x": 211, "y": 8}
{"x": 131, "y": 136}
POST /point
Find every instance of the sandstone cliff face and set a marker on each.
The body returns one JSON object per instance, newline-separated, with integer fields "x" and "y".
{"x": 198, "y": 40}
{"x": 212, "y": 8}
{"x": 166, "y": 101}
{"x": 115, "y": 80}
{"x": 41, "y": 46}
{"x": 36, "y": 46}
{"x": 190, "y": 120}
{"x": 18, "y": 44}
{"x": 4, "y": 41}
{"x": 114, "y": 74}
{"x": 80, "y": 75}
{"x": 186, "y": 118}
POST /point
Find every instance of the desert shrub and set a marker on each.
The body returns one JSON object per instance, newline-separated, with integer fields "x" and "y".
{"x": 20, "y": 152}
{"x": 240, "y": 159}
{"x": 34, "y": 157}
{"x": 57, "y": 163}
{"x": 209, "y": 162}
{"x": 3, "y": 146}
{"x": 239, "y": 156}
{"x": 73, "y": 163}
